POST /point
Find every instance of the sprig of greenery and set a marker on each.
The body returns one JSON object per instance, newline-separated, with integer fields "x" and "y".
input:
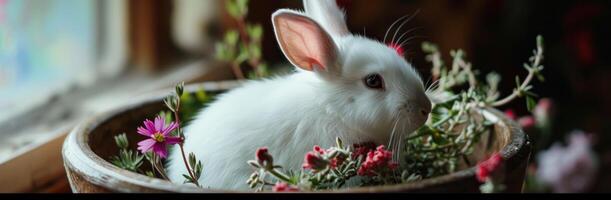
{"x": 522, "y": 89}
{"x": 173, "y": 102}
{"x": 456, "y": 123}
{"x": 197, "y": 170}
{"x": 127, "y": 159}
{"x": 242, "y": 44}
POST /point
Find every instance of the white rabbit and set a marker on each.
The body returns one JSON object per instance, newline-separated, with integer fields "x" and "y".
{"x": 347, "y": 86}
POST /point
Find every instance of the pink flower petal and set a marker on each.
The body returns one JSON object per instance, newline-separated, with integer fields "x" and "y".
{"x": 159, "y": 123}
{"x": 146, "y": 145}
{"x": 150, "y": 126}
{"x": 160, "y": 150}
{"x": 169, "y": 129}
{"x": 172, "y": 140}
{"x": 144, "y": 131}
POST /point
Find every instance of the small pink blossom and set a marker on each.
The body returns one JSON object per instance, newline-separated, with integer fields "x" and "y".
{"x": 570, "y": 168}
{"x": 284, "y": 187}
{"x": 486, "y": 168}
{"x": 543, "y": 111}
{"x": 264, "y": 158}
{"x": 376, "y": 162}
{"x": 527, "y": 122}
{"x": 314, "y": 160}
{"x": 159, "y": 136}
{"x": 511, "y": 114}
{"x": 363, "y": 149}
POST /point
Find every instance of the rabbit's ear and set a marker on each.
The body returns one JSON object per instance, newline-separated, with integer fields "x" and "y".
{"x": 305, "y": 43}
{"x": 328, "y": 15}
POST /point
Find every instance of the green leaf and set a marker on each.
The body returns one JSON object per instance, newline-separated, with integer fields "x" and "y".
{"x": 188, "y": 178}
{"x": 518, "y": 82}
{"x": 531, "y": 94}
{"x": 231, "y": 37}
{"x": 201, "y": 95}
{"x": 192, "y": 160}
{"x": 243, "y": 56}
{"x": 439, "y": 139}
{"x": 180, "y": 88}
{"x": 540, "y": 77}
{"x": 429, "y": 47}
{"x": 220, "y": 51}
{"x": 198, "y": 170}
{"x": 530, "y": 103}
{"x": 121, "y": 141}
{"x": 255, "y": 52}
{"x": 255, "y": 32}
{"x": 232, "y": 8}
{"x": 242, "y": 6}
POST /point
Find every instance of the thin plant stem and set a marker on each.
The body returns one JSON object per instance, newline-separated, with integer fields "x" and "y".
{"x": 254, "y": 63}
{"x": 279, "y": 175}
{"x": 237, "y": 70}
{"x": 159, "y": 170}
{"x": 180, "y": 145}
{"x": 531, "y": 74}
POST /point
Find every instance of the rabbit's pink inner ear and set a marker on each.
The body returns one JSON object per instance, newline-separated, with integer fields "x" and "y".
{"x": 303, "y": 41}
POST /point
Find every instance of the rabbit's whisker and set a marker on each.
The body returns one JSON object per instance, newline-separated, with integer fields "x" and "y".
{"x": 402, "y": 24}
{"x": 392, "y": 25}
{"x": 394, "y": 143}
{"x": 406, "y": 32}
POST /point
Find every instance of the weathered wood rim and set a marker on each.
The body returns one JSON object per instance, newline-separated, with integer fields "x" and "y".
{"x": 80, "y": 159}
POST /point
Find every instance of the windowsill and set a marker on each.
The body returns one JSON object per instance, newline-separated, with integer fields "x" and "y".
{"x": 48, "y": 124}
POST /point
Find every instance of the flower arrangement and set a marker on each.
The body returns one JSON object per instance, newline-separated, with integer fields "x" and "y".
{"x": 439, "y": 147}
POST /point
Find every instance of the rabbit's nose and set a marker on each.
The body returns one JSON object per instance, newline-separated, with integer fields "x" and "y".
{"x": 425, "y": 108}
{"x": 424, "y": 112}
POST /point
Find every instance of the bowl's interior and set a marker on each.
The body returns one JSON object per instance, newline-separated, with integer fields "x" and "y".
{"x": 101, "y": 142}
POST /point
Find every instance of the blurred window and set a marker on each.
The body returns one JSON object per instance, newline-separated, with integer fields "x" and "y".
{"x": 51, "y": 46}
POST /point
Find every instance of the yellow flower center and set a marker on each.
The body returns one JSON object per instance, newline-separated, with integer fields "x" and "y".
{"x": 158, "y": 137}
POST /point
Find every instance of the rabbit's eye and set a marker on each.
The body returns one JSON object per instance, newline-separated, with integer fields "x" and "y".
{"x": 374, "y": 81}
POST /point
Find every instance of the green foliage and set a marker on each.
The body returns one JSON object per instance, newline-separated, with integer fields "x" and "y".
{"x": 455, "y": 124}
{"x": 242, "y": 45}
{"x": 127, "y": 159}
{"x": 196, "y": 167}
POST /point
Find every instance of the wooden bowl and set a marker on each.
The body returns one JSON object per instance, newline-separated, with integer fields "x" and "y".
{"x": 88, "y": 147}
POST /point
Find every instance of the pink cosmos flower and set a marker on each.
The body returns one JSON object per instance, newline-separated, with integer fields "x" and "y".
{"x": 571, "y": 168}
{"x": 486, "y": 168}
{"x": 159, "y": 136}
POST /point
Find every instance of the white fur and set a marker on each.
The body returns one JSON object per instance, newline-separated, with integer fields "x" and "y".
{"x": 328, "y": 15}
{"x": 290, "y": 114}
